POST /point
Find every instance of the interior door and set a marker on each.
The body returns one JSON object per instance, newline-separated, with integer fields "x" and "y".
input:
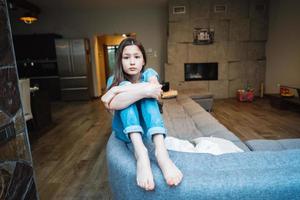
{"x": 110, "y": 52}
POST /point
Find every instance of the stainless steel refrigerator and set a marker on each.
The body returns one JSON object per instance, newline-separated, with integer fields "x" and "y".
{"x": 74, "y": 68}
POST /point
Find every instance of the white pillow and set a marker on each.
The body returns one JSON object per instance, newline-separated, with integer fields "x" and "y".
{"x": 212, "y": 145}
{"x": 176, "y": 144}
{"x": 216, "y": 146}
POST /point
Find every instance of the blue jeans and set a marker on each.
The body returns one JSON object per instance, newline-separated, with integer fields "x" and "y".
{"x": 142, "y": 116}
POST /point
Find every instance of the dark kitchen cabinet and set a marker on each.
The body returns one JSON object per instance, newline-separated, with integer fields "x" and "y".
{"x": 41, "y": 109}
{"x": 35, "y": 46}
{"x": 36, "y": 59}
{"x": 49, "y": 84}
{"x": 37, "y": 68}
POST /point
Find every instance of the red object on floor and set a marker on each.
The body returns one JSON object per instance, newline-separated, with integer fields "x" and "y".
{"x": 243, "y": 95}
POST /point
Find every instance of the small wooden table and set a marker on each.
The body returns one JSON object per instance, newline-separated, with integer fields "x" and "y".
{"x": 286, "y": 103}
{"x": 297, "y": 88}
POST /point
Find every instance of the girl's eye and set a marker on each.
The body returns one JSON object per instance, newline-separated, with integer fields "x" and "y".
{"x": 137, "y": 57}
{"x": 125, "y": 57}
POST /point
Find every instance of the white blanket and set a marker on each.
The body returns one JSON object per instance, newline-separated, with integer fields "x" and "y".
{"x": 212, "y": 145}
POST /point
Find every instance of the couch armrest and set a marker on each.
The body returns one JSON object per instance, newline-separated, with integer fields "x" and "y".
{"x": 273, "y": 145}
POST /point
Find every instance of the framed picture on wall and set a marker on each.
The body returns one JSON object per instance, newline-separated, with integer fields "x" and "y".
{"x": 203, "y": 35}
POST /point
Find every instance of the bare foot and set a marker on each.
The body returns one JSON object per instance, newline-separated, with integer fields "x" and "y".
{"x": 172, "y": 174}
{"x": 144, "y": 176}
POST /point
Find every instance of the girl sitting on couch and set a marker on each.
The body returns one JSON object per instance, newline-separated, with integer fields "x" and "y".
{"x": 132, "y": 94}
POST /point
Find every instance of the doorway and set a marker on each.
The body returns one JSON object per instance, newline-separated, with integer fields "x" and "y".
{"x": 110, "y": 52}
{"x": 106, "y": 50}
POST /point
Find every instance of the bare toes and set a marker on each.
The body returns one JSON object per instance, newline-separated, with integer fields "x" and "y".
{"x": 150, "y": 187}
{"x": 174, "y": 180}
{"x": 147, "y": 187}
{"x": 170, "y": 183}
{"x": 141, "y": 185}
{"x": 178, "y": 180}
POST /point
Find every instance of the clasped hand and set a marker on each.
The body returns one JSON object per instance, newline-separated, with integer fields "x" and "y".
{"x": 153, "y": 91}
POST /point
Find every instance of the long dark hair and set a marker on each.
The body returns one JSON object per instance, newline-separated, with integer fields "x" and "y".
{"x": 119, "y": 74}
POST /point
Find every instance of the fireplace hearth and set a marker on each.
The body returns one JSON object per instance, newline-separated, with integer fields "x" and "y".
{"x": 200, "y": 71}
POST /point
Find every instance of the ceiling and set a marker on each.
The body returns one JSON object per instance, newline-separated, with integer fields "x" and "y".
{"x": 80, "y": 4}
{"x": 38, "y": 7}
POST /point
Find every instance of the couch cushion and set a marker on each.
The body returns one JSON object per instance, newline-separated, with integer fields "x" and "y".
{"x": 185, "y": 119}
{"x": 192, "y": 108}
{"x": 182, "y": 127}
{"x": 178, "y": 123}
{"x": 173, "y": 109}
{"x": 273, "y": 145}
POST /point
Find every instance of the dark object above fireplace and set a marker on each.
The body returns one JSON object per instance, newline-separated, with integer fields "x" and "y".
{"x": 200, "y": 71}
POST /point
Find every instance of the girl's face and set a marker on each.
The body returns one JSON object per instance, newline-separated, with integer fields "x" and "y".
{"x": 132, "y": 60}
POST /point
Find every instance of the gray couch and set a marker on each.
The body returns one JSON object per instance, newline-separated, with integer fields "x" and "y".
{"x": 267, "y": 169}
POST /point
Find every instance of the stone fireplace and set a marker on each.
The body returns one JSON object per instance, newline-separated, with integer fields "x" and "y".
{"x": 240, "y": 35}
{"x": 200, "y": 71}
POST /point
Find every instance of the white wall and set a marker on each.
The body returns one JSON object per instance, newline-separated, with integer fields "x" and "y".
{"x": 149, "y": 23}
{"x": 283, "y": 46}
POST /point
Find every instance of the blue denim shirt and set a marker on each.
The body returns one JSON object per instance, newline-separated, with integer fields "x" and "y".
{"x": 121, "y": 132}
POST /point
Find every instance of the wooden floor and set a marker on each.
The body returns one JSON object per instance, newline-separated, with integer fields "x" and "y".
{"x": 69, "y": 159}
{"x": 257, "y": 120}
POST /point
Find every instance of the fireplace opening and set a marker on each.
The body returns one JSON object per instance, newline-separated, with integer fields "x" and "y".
{"x": 200, "y": 71}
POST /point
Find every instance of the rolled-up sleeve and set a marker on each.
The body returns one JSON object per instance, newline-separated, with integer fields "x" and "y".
{"x": 109, "y": 81}
{"x": 149, "y": 73}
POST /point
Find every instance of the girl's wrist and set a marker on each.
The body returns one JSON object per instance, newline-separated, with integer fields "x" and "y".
{"x": 115, "y": 90}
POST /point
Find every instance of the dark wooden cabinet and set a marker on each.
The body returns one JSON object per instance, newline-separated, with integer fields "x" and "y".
{"x": 51, "y": 85}
{"x": 41, "y": 110}
{"x": 35, "y": 46}
{"x": 36, "y": 59}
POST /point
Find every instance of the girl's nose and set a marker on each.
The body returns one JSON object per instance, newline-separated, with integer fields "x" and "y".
{"x": 132, "y": 61}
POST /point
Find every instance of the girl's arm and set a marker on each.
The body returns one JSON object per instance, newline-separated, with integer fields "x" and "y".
{"x": 120, "y": 97}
